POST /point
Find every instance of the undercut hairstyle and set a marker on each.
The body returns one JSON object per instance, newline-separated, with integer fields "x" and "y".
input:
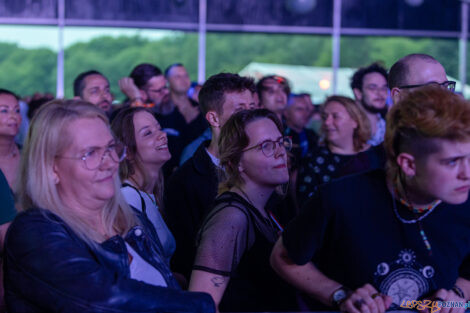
{"x": 212, "y": 93}
{"x": 234, "y": 139}
{"x": 142, "y": 73}
{"x": 124, "y": 129}
{"x": 362, "y": 132}
{"x": 8, "y": 92}
{"x": 358, "y": 77}
{"x": 48, "y": 137}
{"x": 281, "y": 80}
{"x": 169, "y": 68}
{"x": 79, "y": 82}
{"x": 422, "y": 118}
{"x": 399, "y": 71}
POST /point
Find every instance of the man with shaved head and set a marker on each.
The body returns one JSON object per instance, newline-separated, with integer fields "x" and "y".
{"x": 414, "y": 71}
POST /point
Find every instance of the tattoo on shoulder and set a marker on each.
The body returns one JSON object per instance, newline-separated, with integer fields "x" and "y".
{"x": 217, "y": 281}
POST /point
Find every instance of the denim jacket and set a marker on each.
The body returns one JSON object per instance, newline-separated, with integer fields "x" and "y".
{"x": 48, "y": 268}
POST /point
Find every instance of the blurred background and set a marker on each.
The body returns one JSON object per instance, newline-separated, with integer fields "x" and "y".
{"x": 317, "y": 44}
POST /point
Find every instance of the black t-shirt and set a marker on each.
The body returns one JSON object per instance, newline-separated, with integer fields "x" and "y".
{"x": 350, "y": 231}
{"x": 180, "y": 134}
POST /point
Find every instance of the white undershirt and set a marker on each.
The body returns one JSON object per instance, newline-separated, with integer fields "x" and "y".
{"x": 214, "y": 160}
{"x": 142, "y": 271}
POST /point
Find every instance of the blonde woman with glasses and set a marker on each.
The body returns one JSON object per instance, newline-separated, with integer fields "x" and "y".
{"x": 76, "y": 245}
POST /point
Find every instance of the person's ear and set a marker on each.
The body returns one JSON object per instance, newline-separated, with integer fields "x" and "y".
{"x": 407, "y": 164}
{"x": 357, "y": 94}
{"x": 143, "y": 95}
{"x": 213, "y": 118}
{"x": 55, "y": 174}
{"x": 395, "y": 93}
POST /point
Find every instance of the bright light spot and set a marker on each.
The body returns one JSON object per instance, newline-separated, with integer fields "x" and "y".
{"x": 324, "y": 84}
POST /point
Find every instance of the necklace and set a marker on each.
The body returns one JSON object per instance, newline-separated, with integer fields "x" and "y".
{"x": 416, "y": 220}
{"x": 417, "y": 210}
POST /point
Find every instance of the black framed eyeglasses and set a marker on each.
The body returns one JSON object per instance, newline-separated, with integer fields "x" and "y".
{"x": 449, "y": 85}
{"x": 94, "y": 157}
{"x": 268, "y": 147}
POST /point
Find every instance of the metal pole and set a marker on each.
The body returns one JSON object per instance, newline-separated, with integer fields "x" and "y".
{"x": 201, "y": 63}
{"x": 463, "y": 45}
{"x": 336, "y": 42}
{"x": 60, "y": 52}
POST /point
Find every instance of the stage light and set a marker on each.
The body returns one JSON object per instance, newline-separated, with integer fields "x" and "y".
{"x": 324, "y": 84}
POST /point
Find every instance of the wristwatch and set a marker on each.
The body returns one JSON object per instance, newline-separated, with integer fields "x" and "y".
{"x": 339, "y": 295}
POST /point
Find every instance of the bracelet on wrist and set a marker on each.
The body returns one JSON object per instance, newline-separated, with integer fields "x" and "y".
{"x": 458, "y": 291}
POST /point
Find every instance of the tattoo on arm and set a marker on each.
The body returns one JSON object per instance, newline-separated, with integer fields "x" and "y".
{"x": 217, "y": 281}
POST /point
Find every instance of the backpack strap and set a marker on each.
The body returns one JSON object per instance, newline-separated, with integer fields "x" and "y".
{"x": 144, "y": 208}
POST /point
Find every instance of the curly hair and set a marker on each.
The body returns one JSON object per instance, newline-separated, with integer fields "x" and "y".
{"x": 362, "y": 133}
{"x": 426, "y": 114}
{"x": 358, "y": 77}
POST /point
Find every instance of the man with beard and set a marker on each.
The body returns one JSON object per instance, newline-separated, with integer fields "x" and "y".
{"x": 92, "y": 86}
{"x": 370, "y": 88}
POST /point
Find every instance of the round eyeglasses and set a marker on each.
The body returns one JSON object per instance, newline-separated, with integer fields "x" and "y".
{"x": 268, "y": 147}
{"x": 94, "y": 156}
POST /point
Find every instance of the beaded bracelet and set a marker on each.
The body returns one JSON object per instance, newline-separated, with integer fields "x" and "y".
{"x": 458, "y": 291}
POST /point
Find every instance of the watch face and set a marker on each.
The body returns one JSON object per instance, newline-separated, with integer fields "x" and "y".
{"x": 339, "y": 295}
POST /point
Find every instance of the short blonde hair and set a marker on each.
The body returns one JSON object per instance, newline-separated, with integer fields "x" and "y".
{"x": 363, "y": 132}
{"x": 46, "y": 139}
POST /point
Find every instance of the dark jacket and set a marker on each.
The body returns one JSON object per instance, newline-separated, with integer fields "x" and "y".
{"x": 48, "y": 268}
{"x": 189, "y": 196}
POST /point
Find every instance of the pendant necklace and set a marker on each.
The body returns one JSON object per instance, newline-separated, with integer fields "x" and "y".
{"x": 417, "y": 220}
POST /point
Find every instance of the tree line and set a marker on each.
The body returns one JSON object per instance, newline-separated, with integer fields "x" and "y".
{"x": 26, "y": 71}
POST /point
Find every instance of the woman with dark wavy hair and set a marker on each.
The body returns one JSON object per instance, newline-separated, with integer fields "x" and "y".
{"x": 232, "y": 261}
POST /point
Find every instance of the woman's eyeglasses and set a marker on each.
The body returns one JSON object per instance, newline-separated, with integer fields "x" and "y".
{"x": 94, "y": 157}
{"x": 268, "y": 147}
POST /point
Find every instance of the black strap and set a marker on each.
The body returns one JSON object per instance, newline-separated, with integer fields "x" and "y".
{"x": 144, "y": 208}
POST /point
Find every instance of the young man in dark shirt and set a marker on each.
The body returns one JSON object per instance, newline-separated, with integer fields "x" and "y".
{"x": 193, "y": 187}
{"x": 373, "y": 241}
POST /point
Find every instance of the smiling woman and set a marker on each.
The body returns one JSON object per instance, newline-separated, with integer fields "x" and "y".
{"x": 141, "y": 171}
{"x": 346, "y": 129}
{"x": 76, "y": 245}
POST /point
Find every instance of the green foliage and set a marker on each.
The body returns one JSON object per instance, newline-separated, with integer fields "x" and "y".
{"x": 26, "y": 71}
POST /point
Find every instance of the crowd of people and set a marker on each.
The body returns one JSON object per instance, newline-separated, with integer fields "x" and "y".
{"x": 236, "y": 196}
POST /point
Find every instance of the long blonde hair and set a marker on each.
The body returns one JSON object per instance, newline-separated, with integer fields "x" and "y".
{"x": 46, "y": 139}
